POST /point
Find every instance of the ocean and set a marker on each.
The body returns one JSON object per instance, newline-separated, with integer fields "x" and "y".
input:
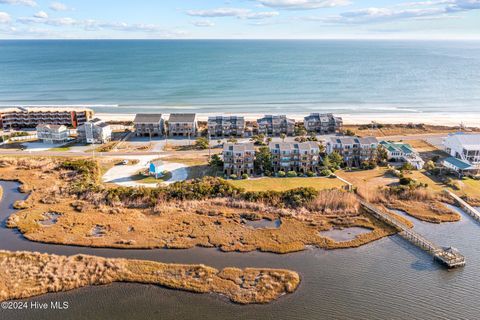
{"x": 212, "y": 76}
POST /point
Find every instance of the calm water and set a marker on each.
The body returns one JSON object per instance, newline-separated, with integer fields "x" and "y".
{"x": 388, "y": 279}
{"x": 246, "y": 76}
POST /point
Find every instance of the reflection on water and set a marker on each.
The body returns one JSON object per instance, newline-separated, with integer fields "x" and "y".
{"x": 50, "y": 219}
{"x": 387, "y": 279}
{"x": 263, "y": 223}
{"x": 344, "y": 234}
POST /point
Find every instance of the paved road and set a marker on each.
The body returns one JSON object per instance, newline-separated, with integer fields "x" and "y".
{"x": 99, "y": 154}
{"x": 434, "y": 139}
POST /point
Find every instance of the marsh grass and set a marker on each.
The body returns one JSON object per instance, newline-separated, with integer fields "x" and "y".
{"x": 28, "y": 274}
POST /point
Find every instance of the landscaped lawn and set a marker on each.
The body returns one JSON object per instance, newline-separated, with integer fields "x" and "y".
{"x": 140, "y": 178}
{"x": 197, "y": 165}
{"x": 283, "y": 184}
{"x": 470, "y": 187}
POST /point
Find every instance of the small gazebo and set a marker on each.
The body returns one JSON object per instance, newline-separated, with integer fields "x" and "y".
{"x": 156, "y": 169}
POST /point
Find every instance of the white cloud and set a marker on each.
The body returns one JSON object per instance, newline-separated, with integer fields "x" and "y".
{"x": 29, "y": 3}
{"x": 41, "y": 15}
{"x": 232, "y": 12}
{"x": 94, "y": 25}
{"x": 58, "y": 6}
{"x": 303, "y": 4}
{"x": 372, "y": 15}
{"x": 203, "y": 23}
{"x": 4, "y": 17}
{"x": 49, "y": 21}
{"x": 463, "y": 5}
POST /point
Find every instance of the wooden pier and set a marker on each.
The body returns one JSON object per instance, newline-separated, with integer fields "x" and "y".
{"x": 450, "y": 257}
{"x": 465, "y": 206}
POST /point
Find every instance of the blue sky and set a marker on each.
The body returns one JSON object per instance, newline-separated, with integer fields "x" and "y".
{"x": 240, "y": 19}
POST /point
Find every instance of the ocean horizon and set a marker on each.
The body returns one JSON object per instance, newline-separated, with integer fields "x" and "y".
{"x": 243, "y": 76}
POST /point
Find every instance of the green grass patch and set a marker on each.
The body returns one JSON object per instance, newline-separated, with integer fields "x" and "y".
{"x": 283, "y": 184}
{"x": 141, "y": 178}
{"x": 60, "y": 149}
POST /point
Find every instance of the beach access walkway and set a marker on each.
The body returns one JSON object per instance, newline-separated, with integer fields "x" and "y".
{"x": 465, "y": 206}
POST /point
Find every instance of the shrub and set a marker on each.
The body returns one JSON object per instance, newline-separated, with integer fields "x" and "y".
{"x": 429, "y": 166}
{"x": 244, "y": 176}
{"x": 290, "y": 198}
{"x": 310, "y": 174}
{"x": 368, "y": 165}
{"x": 216, "y": 161}
{"x": 233, "y": 176}
{"x": 407, "y": 167}
{"x": 326, "y": 173}
{"x": 291, "y": 174}
{"x": 281, "y": 174}
{"x": 202, "y": 143}
{"x": 406, "y": 181}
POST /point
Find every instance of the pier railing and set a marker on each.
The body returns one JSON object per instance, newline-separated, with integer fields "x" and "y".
{"x": 465, "y": 206}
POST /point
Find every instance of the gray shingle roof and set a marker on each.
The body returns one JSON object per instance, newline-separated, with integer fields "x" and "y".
{"x": 238, "y": 147}
{"x": 182, "y": 117}
{"x": 148, "y": 118}
{"x": 294, "y": 145}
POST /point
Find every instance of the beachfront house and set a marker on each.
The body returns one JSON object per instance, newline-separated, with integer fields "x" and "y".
{"x": 156, "y": 169}
{"x": 148, "y": 124}
{"x": 463, "y": 146}
{"x": 354, "y": 150}
{"x": 226, "y": 126}
{"x": 238, "y": 158}
{"x": 322, "y": 123}
{"x": 461, "y": 167}
{"x": 402, "y": 152}
{"x": 95, "y": 131}
{"x": 294, "y": 156}
{"x": 182, "y": 124}
{"x": 30, "y": 117}
{"x": 52, "y": 133}
{"x": 275, "y": 125}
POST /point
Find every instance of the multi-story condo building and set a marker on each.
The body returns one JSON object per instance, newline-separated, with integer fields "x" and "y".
{"x": 353, "y": 150}
{"x": 182, "y": 124}
{"x": 322, "y": 123}
{"x": 95, "y": 131}
{"x": 403, "y": 152}
{"x": 148, "y": 124}
{"x": 238, "y": 158}
{"x": 30, "y": 117}
{"x": 221, "y": 126}
{"x": 276, "y": 125}
{"x": 292, "y": 156}
{"x": 464, "y": 146}
{"x": 52, "y": 133}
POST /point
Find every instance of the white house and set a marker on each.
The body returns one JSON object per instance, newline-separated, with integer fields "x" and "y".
{"x": 403, "y": 152}
{"x": 52, "y": 133}
{"x": 95, "y": 131}
{"x": 463, "y": 146}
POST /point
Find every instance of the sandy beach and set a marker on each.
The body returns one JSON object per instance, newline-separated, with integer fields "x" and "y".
{"x": 448, "y": 119}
